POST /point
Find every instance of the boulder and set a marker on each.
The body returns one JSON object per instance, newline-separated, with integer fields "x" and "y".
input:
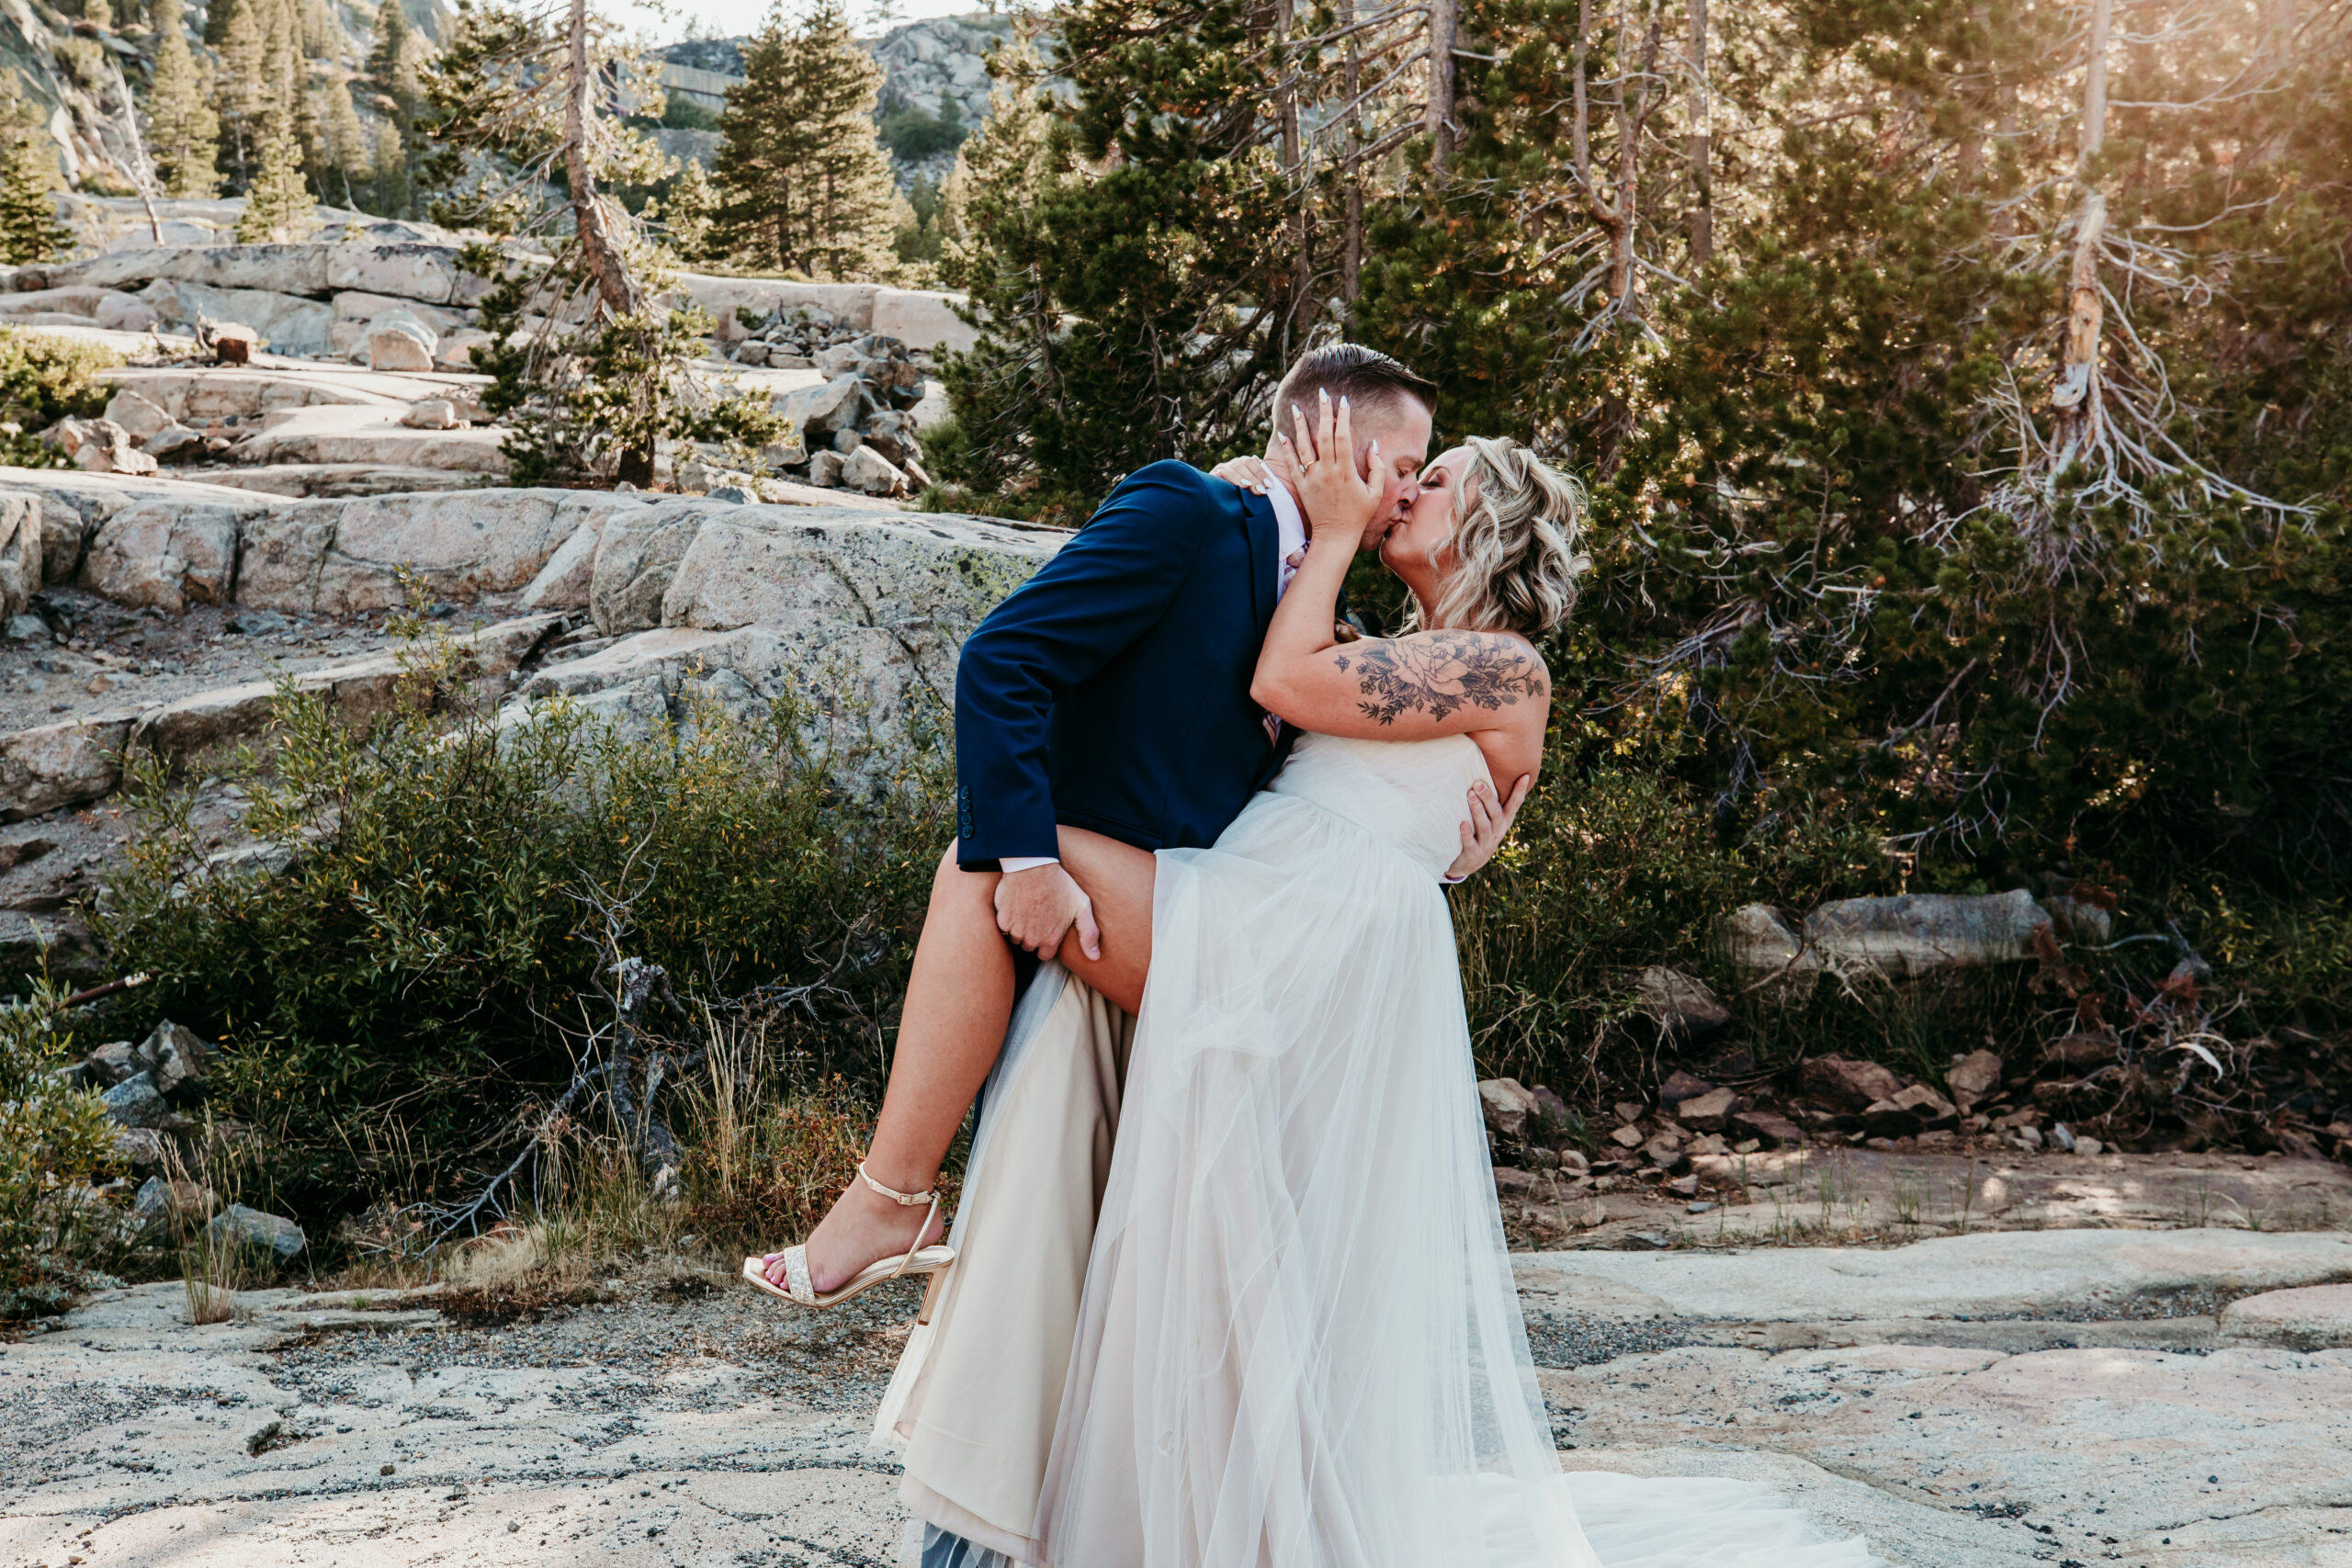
{"x": 461, "y": 543}
{"x": 2078, "y": 919}
{"x": 2310, "y": 1318}
{"x": 637, "y": 556}
{"x": 413, "y": 271}
{"x": 455, "y": 350}
{"x": 160, "y": 1202}
{"x": 1908, "y": 1110}
{"x": 565, "y": 581}
{"x": 923, "y": 319}
{"x": 23, "y": 550}
{"x": 398, "y": 341}
{"x": 99, "y": 447}
{"x": 126, "y": 313}
{"x": 1843, "y": 1083}
{"x": 250, "y": 1230}
{"x": 1507, "y": 1104}
{"x": 1918, "y": 934}
{"x": 818, "y": 412}
{"x": 138, "y": 416}
{"x": 171, "y": 440}
{"x": 1665, "y": 1153}
{"x": 1766, "y": 1127}
{"x": 141, "y": 1148}
{"x": 1680, "y": 1086}
{"x": 174, "y": 1055}
{"x": 60, "y": 764}
{"x": 869, "y": 473}
{"x": 431, "y": 413}
{"x": 163, "y": 555}
{"x": 1974, "y": 1079}
{"x": 1767, "y": 957}
{"x": 1553, "y": 1111}
{"x": 111, "y": 1064}
{"x": 825, "y": 469}
{"x": 135, "y": 1102}
{"x": 1711, "y": 1112}
{"x": 287, "y": 322}
{"x": 1677, "y": 1003}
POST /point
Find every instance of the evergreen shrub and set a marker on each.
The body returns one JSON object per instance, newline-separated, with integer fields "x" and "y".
{"x": 394, "y": 1002}
{"x": 43, "y": 379}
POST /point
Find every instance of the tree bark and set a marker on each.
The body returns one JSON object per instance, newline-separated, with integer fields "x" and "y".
{"x": 1702, "y": 208}
{"x": 2076, "y": 397}
{"x": 1441, "y": 102}
{"x": 1352, "y": 179}
{"x": 600, "y": 241}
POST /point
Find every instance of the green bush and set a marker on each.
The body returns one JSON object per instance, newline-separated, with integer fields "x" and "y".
{"x": 391, "y": 1004}
{"x": 52, "y": 1139}
{"x": 44, "y": 379}
{"x": 913, "y": 135}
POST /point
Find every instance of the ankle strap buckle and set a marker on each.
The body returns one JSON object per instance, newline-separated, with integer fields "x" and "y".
{"x": 904, "y": 1200}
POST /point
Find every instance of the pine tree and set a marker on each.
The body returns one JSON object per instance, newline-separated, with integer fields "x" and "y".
{"x": 803, "y": 184}
{"x": 217, "y": 18}
{"x": 240, "y": 88}
{"x": 350, "y": 153}
{"x": 389, "y": 172}
{"x": 279, "y": 204}
{"x": 29, "y": 230}
{"x": 183, "y": 131}
{"x": 389, "y": 68}
{"x": 687, "y": 212}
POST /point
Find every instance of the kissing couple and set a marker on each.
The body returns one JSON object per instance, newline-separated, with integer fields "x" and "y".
{"x": 1227, "y": 1285}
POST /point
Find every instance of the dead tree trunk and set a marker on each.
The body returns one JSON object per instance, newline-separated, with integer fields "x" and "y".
{"x": 1702, "y": 201}
{"x": 600, "y": 238}
{"x": 1297, "y": 318}
{"x": 1440, "y": 117}
{"x": 1351, "y": 173}
{"x": 2077, "y": 396}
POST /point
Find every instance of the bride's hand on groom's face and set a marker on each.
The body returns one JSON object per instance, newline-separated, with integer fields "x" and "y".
{"x": 1341, "y": 498}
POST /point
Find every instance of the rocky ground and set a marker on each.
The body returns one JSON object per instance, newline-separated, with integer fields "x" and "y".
{"x": 2168, "y": 1399}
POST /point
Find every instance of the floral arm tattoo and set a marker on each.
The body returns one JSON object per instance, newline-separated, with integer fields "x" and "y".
{"x": 1442, "y": 672}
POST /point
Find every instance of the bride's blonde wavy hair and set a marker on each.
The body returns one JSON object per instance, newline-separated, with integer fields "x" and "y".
{"x": 1517, "y": 530}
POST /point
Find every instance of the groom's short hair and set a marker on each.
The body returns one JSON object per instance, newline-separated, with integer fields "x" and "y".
{"x": 1369, "y": 379}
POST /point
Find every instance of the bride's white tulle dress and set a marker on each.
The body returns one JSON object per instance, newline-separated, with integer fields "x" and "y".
{"x": 1299, "y": 1344}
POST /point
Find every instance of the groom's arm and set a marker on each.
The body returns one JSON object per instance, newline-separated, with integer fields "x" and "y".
{"x": 1104, "y": 589}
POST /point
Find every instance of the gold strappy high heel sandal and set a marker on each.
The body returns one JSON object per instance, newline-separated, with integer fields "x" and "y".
{"x": 798, "y": 1290}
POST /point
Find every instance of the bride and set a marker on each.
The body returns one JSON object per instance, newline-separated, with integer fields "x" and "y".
{"x": 1296, "y": 1343}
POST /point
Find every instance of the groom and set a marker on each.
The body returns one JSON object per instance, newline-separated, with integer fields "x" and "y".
{"x": 1110, "y": 691}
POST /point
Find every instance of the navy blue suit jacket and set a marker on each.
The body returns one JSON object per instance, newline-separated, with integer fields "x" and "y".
{"x": 1112, "y": 690}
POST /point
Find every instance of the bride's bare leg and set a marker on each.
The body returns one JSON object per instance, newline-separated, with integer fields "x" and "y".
{"x": 959, "y": 1002}
{"x": 959, "y": 998}
{"x": 1117, "y": 878}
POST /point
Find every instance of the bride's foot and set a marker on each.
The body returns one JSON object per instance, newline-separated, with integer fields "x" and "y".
{"x": 862, "y": 1227}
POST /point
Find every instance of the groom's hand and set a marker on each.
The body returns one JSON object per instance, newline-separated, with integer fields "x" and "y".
{"x": 1489, "y": 825}
{"x": 1036, "y": 908}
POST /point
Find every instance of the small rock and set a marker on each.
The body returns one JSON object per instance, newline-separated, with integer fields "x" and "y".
{"x": 159, "y": 1201}
{"x": 175, "y": 1055}
{"x": 734, "y": 495}
{"x": 1572, "y": 1163}
{"x": 141, "y": 1148}
{"x": 1682, "y": 1085}
{"x": 1977, "y": 1075}
{"x": 242, "y": 1227}
{"x": 2089, "y": 1146}
{"x": 1678, "y": 1004}
{"x": 847, "y": 441}
{"x": 1627, "y": 1137}
{"x": 869, "y": 471}
{"x": 2061, "y": 1138}
{"x": 1684, "y": 1187}
{"x": 789, "y": 453}
{"x": 1665, "y": 1153}
{"x": 1512, "y": 1182}
{"x": 1848, "y": 1084}
{"x": 1908, "y": 1110}
{"x": 1552, "y": 1110}
{"x": 431, "y": 413}
{"x": 111, "y": 1064}
{"x": 1629, "y": 1111}
{"x": 398, "y": 341}
{"x": 2078, "y": 919}
{"x": 825, "y": 469}
{"x": 171, "y": 440}
{"x": 28, "y": 628}
{"x": 2081, "y": 1052}
{"x": 1711, "y": 1112}
{"x": 134, "y": 1102}
{"x": 1506, "y": 1105}
{"x": 1767, "y": 1128}
{"x": 1696, "y": 1208}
